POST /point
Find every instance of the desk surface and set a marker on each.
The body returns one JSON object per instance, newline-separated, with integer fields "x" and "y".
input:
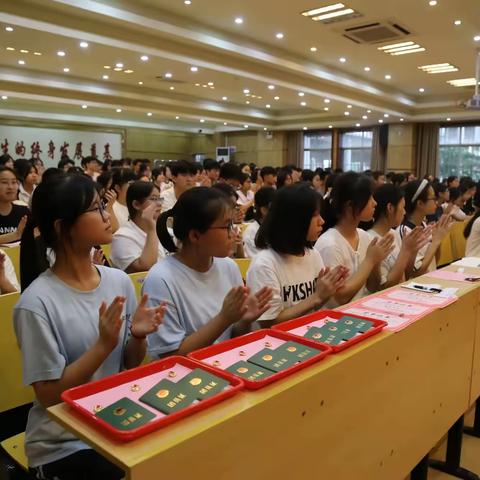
{"x": 374, "y": 410}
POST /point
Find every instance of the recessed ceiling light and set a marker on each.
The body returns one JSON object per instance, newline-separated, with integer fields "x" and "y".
{"x": 248, "y": 102}
{"x": 24, "y": 51}
{"x": 388, "y": 77}
{"x": 280, "y": 35}
{"x": 438, "y": 68}
{"x": 128, "y": 71}
{"x": 313, "y": 49}
{"x": 194, "y": 69}
{"x": 357, "y": 125}
{"x": 303, "y": 104}
{"x": 433, "y": 3}
{"x": 177, "y": 118}
{"x": 346, "y": 114}
{"x": 210, "y": 84}
{"x": 118, "y": 69}
{"x": 21, "y": 62}
{"x": 205, "y": 86}
{"x": 402, "y": 48}
{"x": 119, "y": 110}
{"x": 369, "y": 111}
{"x": 149, "y": 114}
{"x": 107, "y": 67}
{"x": 144, "y": 58}
{"x": 276, "y": 98}
{"x": 449, "y": 119}
{"x": 477, "y": 38}
{"x": 84, "y": 106}
{"x": 268, "y": 105}
{"x": 239, "y": 20}
{"x": 140, "y": 83}
{"x": 245, "y": 126}
{"x": 386, "y": 115}
{"x": 265, "y": 129}
{"x": 246, "y": 91}
{"x": 421, "y": 90}
{"x": 9, "y": 29}
{"x": 342, "y": 59}
{"x": 4, "y": 97}
{"x": 305, "y": 128}
{"x": 61, "y": 53}
{"x": 401, "y": 119}
{"x": 119, "y": 65}
{"x": 187, "y": 2}
{"x": 271, "y": 87}
{"x": 301, "y": 94}
{"x": 224, "y": 98}
{"x": 11, "y": 49}
{"x": 327, "y": 100}
{"x": 330, "y": 126}
{"x": 37, "y": 53}
{"x": 364, "y": 117}
{"x": 105, "y": 77}
{"x": 380, "y": 121}
{"x": 66, "y": 69}
{"x": 172, "y": 88}
{"x": 367, "y": 69}
{"x": 326, "y": 109}
{"x": 349, "y": 106}
{"x": 225, "y": 123}
{"x": 168, "y": 75}
{"x": 202, "y": 120}
{"x": 457, "y": 22}
{"x": 84, "y": 44}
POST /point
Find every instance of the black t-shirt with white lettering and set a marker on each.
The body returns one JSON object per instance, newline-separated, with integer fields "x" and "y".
{"x": 9, "y": 223}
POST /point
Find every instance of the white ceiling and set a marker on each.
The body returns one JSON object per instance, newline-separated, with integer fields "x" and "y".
{"x": 230, "y": 58}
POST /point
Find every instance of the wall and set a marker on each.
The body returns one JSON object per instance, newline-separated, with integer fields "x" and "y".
{"x": 401, "y": 147}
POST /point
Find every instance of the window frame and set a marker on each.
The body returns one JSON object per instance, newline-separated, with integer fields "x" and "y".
{"x": 312, "y": 133}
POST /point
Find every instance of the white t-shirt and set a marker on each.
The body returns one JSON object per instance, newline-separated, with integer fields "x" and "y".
{"x": 405, "y": 229}
{"x": 121, "y": 212}
{"x": 249, "y": 240}
{"x": 127, "y": 245}
{"x": 387, "y": 264}
{"x": 292, "y": 278}
{"x": 456, "y": 212}
{"x": 169, "y": 199}
{"x": 10, "y": 274}
{"x": 335, "y": 250}
{"x": 473, "y": 241}
{"x": 244, "y": 199}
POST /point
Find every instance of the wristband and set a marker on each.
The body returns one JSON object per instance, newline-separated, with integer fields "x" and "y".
{"x": 135, "y": 336}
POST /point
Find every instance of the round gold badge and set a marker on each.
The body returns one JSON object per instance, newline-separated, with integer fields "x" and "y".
{"x": 216, "y": 363}
{"x": 97, "y": 408}
{"x": 267, "y": 358}
{"x": 241, "y": 353}
{"x": 135, "y": 388}
{"x": 120, "y": 411}
{"x": 172, "y": 374}
{"x": 195, "y": 381}
{"x": 268, "y": 344}
{"x": 291, "y": 349}
{"x": 317, "y": 335}
{"x": 163, "y": 393}
{"x": 242, "y": 370}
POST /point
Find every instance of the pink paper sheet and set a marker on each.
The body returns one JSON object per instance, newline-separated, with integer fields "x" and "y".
{"x": 446, "y": 275}
{"x": 427, "y": 299}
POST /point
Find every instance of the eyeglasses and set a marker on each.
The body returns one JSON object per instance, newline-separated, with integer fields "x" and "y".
{"x": 100, "y": 208}
{"x": 156, "y": 199}
{"x": 230, "y": 227}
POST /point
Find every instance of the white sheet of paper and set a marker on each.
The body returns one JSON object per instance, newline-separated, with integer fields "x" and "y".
{"x": 468, "y": 262}
{"x": 423, "y": 298}
{"x": 395, "y": 306}
{"x": 393, "y": 321}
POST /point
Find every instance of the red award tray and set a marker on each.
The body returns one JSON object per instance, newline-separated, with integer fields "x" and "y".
{"x": 252, "y": 343}
{"x": 112, "y": 388}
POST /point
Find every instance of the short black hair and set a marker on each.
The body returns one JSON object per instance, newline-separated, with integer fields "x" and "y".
{"x": 267, "y": 171}
{"x": 183, "y": 167}
{"x": 65, "y": 161}
{"x": 384, "y": 195}
{"x": 88, "y": 159}
{"x": 210, "y": 164}
{"x": 230, "y": 171}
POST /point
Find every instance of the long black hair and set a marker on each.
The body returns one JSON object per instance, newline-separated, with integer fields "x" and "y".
{"x": 384, "y": 195}
{"x": 286, "y": 225}
{"x": 476, "y": 203}
{"x": 263, "y": 198}
{"x": 138, "y": 191}
{"x": 411, "y": 189}
{"x": 196, "y": 209}
{"x": 61, "y": 198}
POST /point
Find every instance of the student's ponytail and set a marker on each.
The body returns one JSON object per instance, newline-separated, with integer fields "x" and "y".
{"x": 163, "y": 234}
{"x": 33, "y": 258}
{"x": 476, "y": 202}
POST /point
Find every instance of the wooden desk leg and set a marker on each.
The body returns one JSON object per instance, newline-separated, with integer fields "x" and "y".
{"x": 454, "y": 452}
{"x": 475, "y": 430}
{"x": 420, "y": 472}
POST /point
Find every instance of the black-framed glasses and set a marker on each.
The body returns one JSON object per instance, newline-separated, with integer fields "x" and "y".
{"x": 101, "y": 208}
{"x": 230, "y": 227}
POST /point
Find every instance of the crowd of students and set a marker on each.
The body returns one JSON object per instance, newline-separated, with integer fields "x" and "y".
{"x": 317, "y": 239}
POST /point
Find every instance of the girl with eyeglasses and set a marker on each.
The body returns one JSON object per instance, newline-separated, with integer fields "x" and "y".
{"x": 135, "y": 246}
{"x": 287, "y": 261}
{"x": 202, "y": 287}
{"x": 75, "y": 322}
{"x": 420, "y": 201}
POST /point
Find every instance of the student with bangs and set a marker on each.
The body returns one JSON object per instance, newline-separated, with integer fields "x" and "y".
{"x": 420, "y": 201}
{"x": 121, "y": 180}
{"x": 75, "y": 322}
{"x": 202, "y": 287}
{"x": 345, "y": 244}
{"x": 287, "y": 261}
{"x": 389, "y": 214}
{"x": 183, "y": 177}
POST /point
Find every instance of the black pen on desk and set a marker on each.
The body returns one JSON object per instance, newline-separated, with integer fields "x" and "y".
{"x": 427, "y": 289}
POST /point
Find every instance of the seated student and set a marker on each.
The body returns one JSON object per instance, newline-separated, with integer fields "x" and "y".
{"x": 27, "y": 175}
{"x": 269, "y": 177}
{"x": 442, "y": 194}
{"x": 231, "y": 174}
{"x": 454, "y": 205}
{"x": 420, "y": 201}
{"x": 472, "y": 230}
{"x": 73, "y": 322}
{"x": 12, "y": 217}
{"x": 8, "y": 277}
{"x": 135, "y": 246}
{"x": 287, "y": 261}
{"x": 467, "y": 188}
{"x": 6, "y": 160}
{"x": 121, "y": 180}
{"x": 159, "y": 178}
{"x": 144, "y": 171}
{"x": 245, "y": 192}
{"x": 183, "y": 178}
{"x": 284, "y": 178}
{"x": 212, "y": 169}
{"x": 345, "y": 244}
{"x": 90, "y": 167}
{"x": 203, "y": 289}
{"x": 453, "y": 182}
{"x": 389, "y": 214}
{"x": 296, "y": 173}
{"x": 263, "y": 199}
{"x": 65, "y": 163}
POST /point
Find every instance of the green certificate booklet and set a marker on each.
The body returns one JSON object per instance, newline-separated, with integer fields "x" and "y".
{"x": 125, "y": 414}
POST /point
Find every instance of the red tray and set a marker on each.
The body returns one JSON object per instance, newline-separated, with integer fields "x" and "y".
{"x": 334, "y": 314}
{"x": 76, "y": 393}
{"x": 227, "y": 345}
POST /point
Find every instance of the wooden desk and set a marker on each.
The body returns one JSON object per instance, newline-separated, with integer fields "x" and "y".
{"x": 369, "y": 413}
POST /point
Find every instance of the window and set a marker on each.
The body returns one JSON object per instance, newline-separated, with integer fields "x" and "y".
{"x": 460, "y": 151}
{"x": 356, "y": 150}
{"x": 317, "y": 147}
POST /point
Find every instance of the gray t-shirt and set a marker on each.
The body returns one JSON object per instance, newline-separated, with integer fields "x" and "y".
{"x": 55, "y": 325}
{"x": 193, "y": 299}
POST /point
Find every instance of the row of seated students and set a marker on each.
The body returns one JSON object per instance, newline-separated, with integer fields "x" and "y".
{"x": 308, "y": 253}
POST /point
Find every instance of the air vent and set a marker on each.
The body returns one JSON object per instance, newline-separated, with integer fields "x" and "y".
{"x": 376, "y": 32}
